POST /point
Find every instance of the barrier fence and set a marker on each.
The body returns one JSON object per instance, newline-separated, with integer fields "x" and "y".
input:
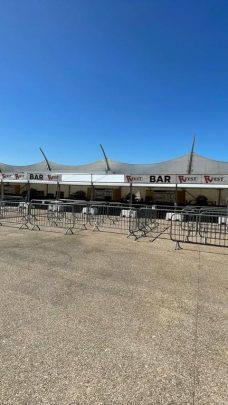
{"x": 113, "y": 218}
{"x": 50, "y": 215}
{"x": 14, "y": 213}
{"x": 201, "y": 225}
{"x": 208, "y": 228}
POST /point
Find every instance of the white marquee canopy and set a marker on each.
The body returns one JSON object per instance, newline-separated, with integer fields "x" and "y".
{"x": 199, "y": 165}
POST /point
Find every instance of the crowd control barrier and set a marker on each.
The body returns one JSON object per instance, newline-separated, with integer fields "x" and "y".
{"x": 207, "y": 227}
{"x": 199, "y": 225}
{"x": 14, "y": 213}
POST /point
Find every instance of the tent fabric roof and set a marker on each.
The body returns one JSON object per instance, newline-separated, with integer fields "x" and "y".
{"x": 200, "y": 165}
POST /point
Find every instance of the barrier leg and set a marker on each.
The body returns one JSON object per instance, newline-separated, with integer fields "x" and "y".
{"x": 132, "y": 233}
{"x": 96, "y": 227}
{"x": 178, "y": 246}
{"x": 69, "y": 230}
{"x": 159, "y": 234}
{"x": 35, "y": 227}
{"x": 24, "y": 226}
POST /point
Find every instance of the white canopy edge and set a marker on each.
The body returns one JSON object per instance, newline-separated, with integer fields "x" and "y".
{"x": 119, "y": 184}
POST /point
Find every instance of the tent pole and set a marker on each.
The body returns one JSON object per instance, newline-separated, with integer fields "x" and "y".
{"x": 176, "y": 195}
{"x": 58, "y": 191}
{"x": 2, "y": 190}
{"x": 219, "y": 196}
{"x": 28, "y": 192}
{"x": 131, "y": 194}
{"x": 93, "y": 189}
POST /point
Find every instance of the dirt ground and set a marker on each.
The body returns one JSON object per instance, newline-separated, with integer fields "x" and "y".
{"x": 96, "y": 318}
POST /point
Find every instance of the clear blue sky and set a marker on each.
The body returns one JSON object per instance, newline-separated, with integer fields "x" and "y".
{"x": 139, "y": 76}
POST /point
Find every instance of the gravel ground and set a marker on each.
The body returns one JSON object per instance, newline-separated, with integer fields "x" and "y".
{"x": 96, "y": 318}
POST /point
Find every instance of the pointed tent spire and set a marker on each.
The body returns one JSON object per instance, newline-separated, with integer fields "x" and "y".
{"x": 46, "y": 160}
{"x": 191, "y": 156}
{"x": 106, "y": 159}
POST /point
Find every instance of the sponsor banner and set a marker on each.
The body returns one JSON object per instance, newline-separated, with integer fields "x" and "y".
{"x": 178, "y": 179}
{"x": 202, "y": 179}
{"x": 13, "y": 176}
{"x": 30, "y": 176}
{"x": 44, "y": 177}
{"x": 136, "y": 179}
{"x": 188, "y": 179}
{"x": 215, "y": 179}
{"x": 156, "y": 179}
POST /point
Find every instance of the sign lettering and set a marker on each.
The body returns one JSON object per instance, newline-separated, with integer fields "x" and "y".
{"x": 213, "y": 179}
{"x": 160, "y": 179}
{"x": 44, "y": 177}
{"x": 34, "y": 176}
{"x": 131, "y": 179}
{"x": 187, "y": 179}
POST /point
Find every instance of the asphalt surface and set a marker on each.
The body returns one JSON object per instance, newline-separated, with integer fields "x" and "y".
{"x": 96, "y": 318}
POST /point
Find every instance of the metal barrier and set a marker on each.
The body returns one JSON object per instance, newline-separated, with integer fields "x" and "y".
{"x": 155, "y": 221}
{"x": 43, "y": 214}
{"x": 112, "y": 218}
{"x": 14, "y": 213}
{"x": 146, "y": 222}
{"x": 200, "y": 225}
{"x": 56, "y": 214}
{"x": 135, "y": 221}
{"x": 213, "y": 228}
{"x": 205, "y": 227}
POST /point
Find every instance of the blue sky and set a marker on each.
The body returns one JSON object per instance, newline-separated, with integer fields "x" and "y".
{"x": 139, "y": 76}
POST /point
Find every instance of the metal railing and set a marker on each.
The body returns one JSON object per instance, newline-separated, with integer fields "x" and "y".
{"x": 56, "y": 214}
{"x": 201, "y": 225}
{"x": 14, "y": 213}
{"x": 112, "y": 218}
{"x": 205, "y": 227}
